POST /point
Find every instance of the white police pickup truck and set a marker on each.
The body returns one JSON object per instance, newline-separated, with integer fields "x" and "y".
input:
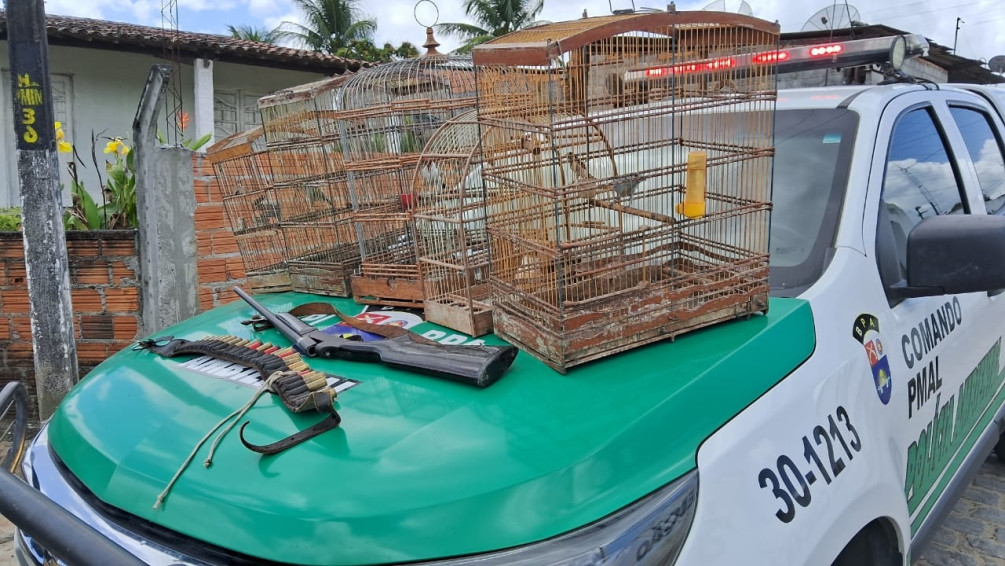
{"x": 838, "y": 428}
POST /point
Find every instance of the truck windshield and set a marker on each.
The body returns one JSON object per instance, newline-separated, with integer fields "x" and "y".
{"x": 812, "y": 156}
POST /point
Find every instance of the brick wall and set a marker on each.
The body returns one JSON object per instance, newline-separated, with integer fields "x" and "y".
{"x": 220, "y": 266}
{"x": 104, "y": 284}
{"x": 104, "y": 288}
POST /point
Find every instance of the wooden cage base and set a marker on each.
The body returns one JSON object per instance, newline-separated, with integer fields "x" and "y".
{"x": 274, "y": 282}
{"x": 456, "y": 315}
{"x": 390, "y": 291}
{"x": 323, "y": 279}
{"x": 564, "y": 350}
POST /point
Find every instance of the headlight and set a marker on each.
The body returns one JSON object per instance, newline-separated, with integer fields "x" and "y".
{"x": 649, "y": 531}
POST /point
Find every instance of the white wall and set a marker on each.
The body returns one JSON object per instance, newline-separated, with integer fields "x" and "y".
{"x": 106, "y": 87}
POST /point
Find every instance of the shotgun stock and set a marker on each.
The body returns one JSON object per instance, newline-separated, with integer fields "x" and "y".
{"x": 476, "y": 365}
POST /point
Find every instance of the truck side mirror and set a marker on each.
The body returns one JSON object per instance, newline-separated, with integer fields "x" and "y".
{"x": 951, "y": 254}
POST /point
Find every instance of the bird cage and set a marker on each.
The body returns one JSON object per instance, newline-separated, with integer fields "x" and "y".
{"x": 627, "y": 161}
{"x": 312, "y": 204}
{"x": 389, "y": 113}
{"x": 451, "y": 239}
{"x": 245, "y": 179}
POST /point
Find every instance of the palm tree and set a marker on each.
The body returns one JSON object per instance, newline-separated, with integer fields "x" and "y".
{"x": 330, "y": 25}
{"x": 494, "y": 17}
{"x": 252, "y": 33}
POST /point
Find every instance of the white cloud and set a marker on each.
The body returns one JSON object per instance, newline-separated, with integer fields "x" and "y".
{"x": 262, "y": 8}
{"x": 81, "y": 8}
{"x": 981, "y": 35}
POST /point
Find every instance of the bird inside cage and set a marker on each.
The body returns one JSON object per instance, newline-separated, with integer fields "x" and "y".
{"x": 623, "y": 185}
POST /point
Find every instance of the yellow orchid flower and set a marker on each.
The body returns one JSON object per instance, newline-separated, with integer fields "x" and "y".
{"x": 64, "y": 146}
{"x": 114, "y": 146}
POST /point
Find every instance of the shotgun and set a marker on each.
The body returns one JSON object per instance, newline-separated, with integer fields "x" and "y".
{"x": 476, "y": 365}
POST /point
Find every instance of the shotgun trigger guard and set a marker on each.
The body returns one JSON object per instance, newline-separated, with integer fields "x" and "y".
{"x": 257, "y": 323}
{"x": 149, "y": 343}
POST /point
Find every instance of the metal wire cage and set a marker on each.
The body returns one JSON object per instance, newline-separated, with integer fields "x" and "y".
{"x": 389, "y": 113}
{"x": 627, "y": 163}
{"x": 244, "y": 175}
{"x": 313, "y": 204}
{"x": 451, "y": 239}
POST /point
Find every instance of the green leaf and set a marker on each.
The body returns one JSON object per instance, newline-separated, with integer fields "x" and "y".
{"x": 194, "y": 145}
{"x": 10, "y": 219}
{"x": 85, "y": 210}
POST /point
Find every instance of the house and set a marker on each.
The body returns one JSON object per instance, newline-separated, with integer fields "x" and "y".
{"x": 98, "y": 69}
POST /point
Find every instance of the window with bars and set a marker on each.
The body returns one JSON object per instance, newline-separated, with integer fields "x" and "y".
{"x": 235, "y": 111}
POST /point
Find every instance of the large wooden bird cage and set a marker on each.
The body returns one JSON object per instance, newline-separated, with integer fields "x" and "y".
{"x": 312, "y": 202}
{"x": 451, "y": 239}
{"x": 627, "y": 161}
{"x": 389, "y": 113}
{"x": 244, "y": 175}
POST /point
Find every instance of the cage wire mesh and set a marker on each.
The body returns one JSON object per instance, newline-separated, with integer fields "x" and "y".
{"x": 312, "y": 203}
{"x": 245, "y": 179}
{"x": 627, "y": 163}
{"x": 388, "y": 114}
{"x": 451, "y": 240}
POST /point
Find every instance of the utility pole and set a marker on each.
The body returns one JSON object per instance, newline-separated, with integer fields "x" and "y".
{"x": 956, "y": 36}
{"x": 41, "y": 208}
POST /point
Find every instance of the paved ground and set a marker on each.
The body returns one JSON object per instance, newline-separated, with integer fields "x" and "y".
{"x": 973, "y": 534}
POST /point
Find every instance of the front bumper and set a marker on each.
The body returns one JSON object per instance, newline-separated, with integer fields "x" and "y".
{"x": 43, "y": 473}
{"x": 648, "y": 532}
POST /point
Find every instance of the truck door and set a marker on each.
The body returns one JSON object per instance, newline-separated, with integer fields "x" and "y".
{"x": 942, "y": 352}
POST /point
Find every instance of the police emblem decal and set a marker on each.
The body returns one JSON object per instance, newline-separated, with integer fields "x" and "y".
{"x": 866, "y": 331}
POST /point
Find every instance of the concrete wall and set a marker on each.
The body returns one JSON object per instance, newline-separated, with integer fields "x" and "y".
{"x": 106, "y": 87}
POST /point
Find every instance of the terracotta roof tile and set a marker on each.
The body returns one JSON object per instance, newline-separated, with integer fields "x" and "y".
{"x": 102, "y": 34}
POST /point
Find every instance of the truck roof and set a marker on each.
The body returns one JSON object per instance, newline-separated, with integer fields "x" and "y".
{"x": 817, "y": 97}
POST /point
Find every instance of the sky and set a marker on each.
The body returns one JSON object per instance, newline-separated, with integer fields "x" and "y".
{"x": 981, "y": 23}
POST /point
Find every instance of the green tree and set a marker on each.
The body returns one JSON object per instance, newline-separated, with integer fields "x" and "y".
{"x": 494, "y": 18}
{"x": 367, "y": 51}
{"x": 252, "y": 33}
{"x": 330, "y": 25}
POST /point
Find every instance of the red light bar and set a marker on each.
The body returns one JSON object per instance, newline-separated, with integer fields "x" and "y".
{"x": 826, "y": 50}
{"x": 768, "y": 58}
{"x": 687, "y": 68}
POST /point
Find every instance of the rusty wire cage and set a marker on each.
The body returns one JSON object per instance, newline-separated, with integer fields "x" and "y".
{"x": 312, "y": 201}
{"x": 388, "y": 114}
{"x": 627, "y": 164}
{"x": 244, "y": 175}
{"x": 451, "y": 240}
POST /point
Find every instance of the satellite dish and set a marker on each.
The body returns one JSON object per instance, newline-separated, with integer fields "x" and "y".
{"x": 835, "y": 16}
{"x": 740, "y": 7}
{"x": 997, "y": 64}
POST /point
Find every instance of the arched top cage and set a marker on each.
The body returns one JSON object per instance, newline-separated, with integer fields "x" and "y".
{"x": 451, "y": 237}
{"x": 594, "y": 64}
{"x": 630, "y": 158}
{"x": 545, "y": 44}
{"x": 389, "y": 112}
{"x": 449, "y": 167}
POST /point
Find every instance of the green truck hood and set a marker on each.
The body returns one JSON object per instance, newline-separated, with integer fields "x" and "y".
{"x": 421, "y": 467}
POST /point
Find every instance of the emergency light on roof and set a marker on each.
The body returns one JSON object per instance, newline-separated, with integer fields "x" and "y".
{"x": 798, "y": 58}
{"x": 687, "y": 68}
